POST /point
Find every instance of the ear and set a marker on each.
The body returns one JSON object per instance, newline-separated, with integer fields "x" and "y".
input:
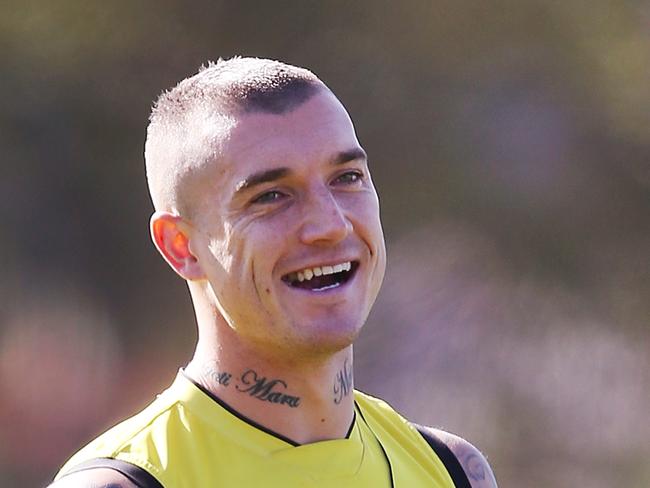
{"x": 173, "y": 243}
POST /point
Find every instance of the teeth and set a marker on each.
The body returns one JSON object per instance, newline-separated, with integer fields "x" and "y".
{"x": 309, "y": 273}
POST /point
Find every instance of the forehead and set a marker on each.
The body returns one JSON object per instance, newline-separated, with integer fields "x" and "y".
{"x": 311, "y": 133}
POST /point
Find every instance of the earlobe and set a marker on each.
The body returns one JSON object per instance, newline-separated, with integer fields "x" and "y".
{"x": 173, "y": 244}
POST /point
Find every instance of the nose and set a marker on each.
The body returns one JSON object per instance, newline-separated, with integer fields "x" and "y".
{"x": 324, "y": 221}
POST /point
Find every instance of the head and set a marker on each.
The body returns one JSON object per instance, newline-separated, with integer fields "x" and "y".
{"x": 265, "y": 205}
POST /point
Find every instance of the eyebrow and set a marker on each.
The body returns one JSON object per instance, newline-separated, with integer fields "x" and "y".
{"x": 349, "y": 156}
{"x": 261, "y": 177}
{"x": 270, "y": 175}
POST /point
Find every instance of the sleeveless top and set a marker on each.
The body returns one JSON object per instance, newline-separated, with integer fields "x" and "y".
{"x": 187, "y": 438}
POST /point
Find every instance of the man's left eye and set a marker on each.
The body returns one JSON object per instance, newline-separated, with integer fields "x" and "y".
{"x": 349, "y": 178}
{"x": 271, "y": 196}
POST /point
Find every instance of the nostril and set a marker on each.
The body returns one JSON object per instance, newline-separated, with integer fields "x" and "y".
{"x": 326, "y": 229}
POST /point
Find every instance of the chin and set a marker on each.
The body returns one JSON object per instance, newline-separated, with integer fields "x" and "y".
{"x": 328, "y": 338}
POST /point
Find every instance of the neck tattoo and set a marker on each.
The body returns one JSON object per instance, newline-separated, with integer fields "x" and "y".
{"x": 272, "y": 390}
{"x": 343, "y": 382}
{"x": 266, "y": 390}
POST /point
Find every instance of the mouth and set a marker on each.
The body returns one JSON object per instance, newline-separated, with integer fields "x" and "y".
{"x": 321, "y": 278}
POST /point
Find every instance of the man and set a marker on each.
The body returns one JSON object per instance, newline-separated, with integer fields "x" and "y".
{"x": 265, "y": 206}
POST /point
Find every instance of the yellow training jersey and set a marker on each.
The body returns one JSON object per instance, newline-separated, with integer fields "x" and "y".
{"x": 188, "y": 439}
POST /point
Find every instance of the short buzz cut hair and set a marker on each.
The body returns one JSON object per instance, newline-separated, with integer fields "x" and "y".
{"x": 218, "y": 93}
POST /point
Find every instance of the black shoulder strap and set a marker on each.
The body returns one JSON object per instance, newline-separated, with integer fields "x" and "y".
{"x": 447, "y": 457}
{"x": 137, "y": 475}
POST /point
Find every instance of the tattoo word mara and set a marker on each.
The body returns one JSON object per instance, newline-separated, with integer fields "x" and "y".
{"x": 343, "y": 383}
{"x": 262, "y": 389}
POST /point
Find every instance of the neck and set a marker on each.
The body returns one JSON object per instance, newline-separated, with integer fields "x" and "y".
{"x": 304, "y": 401}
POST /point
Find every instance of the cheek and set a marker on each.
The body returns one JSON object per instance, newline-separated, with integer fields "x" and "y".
{"x": 271, "y": 235}
{"x": 222, "y": 255}
{"x": 256, "y": 254}
{"x": 368, "y": 221}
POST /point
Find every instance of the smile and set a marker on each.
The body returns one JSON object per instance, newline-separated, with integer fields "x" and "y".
{"x": 322, "y": 278}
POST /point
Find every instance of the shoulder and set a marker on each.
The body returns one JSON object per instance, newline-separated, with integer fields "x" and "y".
{"x": 94, "y": 478}
{"x": 135, "y": 440}
{"x": 108, "y": 460}
{"x": 473, "y": 462}
{"x": 372, "y": 403}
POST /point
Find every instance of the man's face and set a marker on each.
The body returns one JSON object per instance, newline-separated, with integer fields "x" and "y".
{"x": 287, "y": 228}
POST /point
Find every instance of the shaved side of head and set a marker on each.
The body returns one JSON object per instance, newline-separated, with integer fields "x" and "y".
{"x": 188, "y": 122}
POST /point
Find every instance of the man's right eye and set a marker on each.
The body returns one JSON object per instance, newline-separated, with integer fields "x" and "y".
{"x": 271, "y": 196}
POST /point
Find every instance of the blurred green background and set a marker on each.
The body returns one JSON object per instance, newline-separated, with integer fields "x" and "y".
{"x": 509, "y": 141}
